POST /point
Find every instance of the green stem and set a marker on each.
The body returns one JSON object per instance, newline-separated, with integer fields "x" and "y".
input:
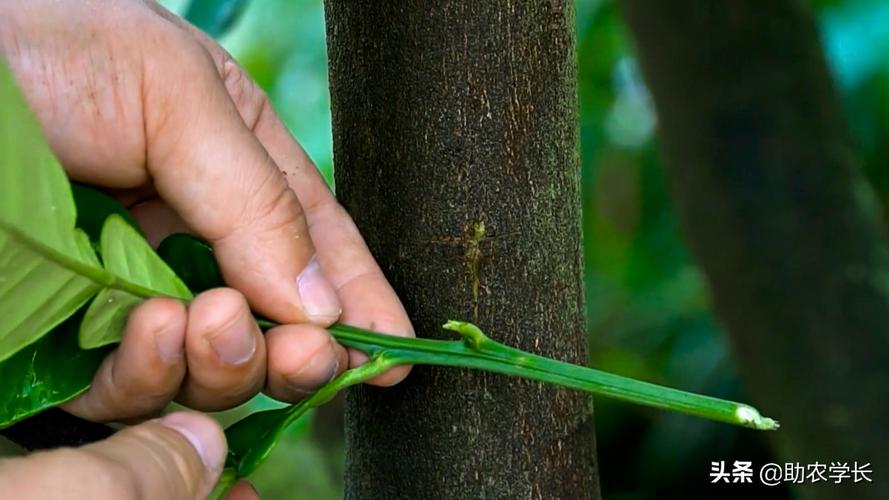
{"x": 253, "y": 438}
{"x": 94, "y": 273}
{"x": 479, "y": 352}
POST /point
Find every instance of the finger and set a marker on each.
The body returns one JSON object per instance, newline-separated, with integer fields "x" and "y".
{"x": 243, "y": 491}
{"x": 157, "y": 220}
{"x": 367, "y": 299}
{"x": 301, "y": 358}
{"x": 225, "y": 351}
{"x": 178, "y": 457}
{"x": 209, "y": 167}
{"x": 144, "y": 373}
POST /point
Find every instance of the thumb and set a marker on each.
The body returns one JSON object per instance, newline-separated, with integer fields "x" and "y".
{"x": 207, "y": 164}
{"x": 178, "y": 457}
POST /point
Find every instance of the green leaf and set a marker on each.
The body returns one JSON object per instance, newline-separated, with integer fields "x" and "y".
{"x": 126, "y": 255}
{"x": 253, "y": 438}
{"x": 94, "y": 207}
{"x": 214, "y": 17}
{"x": 39, "y": 248}
{"x": 54, "y": 369}
{"x": 48, "y": 269}
{"x": 192, "y": 259}
{"x": 47, "y": 373}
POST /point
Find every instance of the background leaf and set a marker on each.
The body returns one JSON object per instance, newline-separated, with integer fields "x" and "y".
{"x": 215, "y": 17}
{"x": 94, "y": 207}
{"x": 192, "y": 259}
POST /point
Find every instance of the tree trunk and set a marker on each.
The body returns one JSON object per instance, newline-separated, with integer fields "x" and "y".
{"x": 778, "y": 214}
{"x": 456, "y": 146}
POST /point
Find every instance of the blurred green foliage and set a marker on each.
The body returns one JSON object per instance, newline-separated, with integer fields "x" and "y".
{"x": 215, "y": 17}
{"x": 648, "y": 310}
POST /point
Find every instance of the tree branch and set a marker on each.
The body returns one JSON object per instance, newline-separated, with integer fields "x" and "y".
{"x": 778, "y": 215}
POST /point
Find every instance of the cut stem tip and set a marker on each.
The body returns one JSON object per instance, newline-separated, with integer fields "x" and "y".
{"x": 750, "y": 417}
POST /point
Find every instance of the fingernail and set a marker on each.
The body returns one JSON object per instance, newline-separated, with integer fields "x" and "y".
{"x": 235, "y": 342}
{"x": 169, "y": 343}
{"x": 204, "y": 436}
{"x": 333, "y": 371}
{"x": 317, "y": 294}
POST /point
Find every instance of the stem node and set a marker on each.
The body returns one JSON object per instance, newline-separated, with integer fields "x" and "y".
{"x": 471, "y": 334}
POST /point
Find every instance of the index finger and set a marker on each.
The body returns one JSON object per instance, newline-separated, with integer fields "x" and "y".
{"x": 207, "y": 164}
{"x": 367, "y": 298}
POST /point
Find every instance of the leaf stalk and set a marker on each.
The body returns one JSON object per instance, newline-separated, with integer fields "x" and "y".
{"x": 253, "y": 438}
{"x": 480, "y": 352}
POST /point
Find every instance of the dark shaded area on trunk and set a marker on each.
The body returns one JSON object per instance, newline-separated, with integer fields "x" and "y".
{"x": 449, "y": 117}
{"x": 778, "y": 214}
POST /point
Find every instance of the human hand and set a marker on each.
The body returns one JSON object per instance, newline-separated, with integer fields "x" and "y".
{"x": 137, "y": 101}
{"x": 177, "y": 457}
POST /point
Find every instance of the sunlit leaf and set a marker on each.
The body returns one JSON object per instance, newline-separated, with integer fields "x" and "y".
{"x": 48, "y": 269}
{"x": 55, "y": 369}
{"x": 39, "y": 249}
{"x": 126, "y": 255}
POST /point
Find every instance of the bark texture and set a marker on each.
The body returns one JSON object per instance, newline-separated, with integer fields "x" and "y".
{"x": 448, "y": 117}
{"x": 778, "y": 214}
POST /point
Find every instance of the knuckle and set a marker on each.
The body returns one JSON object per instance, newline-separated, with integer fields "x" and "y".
{"x": 164, "y": 467}
{"x": 308, "y": 360}
{"x": 152, "y": 397}
{"x": 119, "y": 386}
{"x": 276, "y": 206}
{"x": 271, "y": 209}
{"x": 219, "y": 394}
{"x": 250, "y": 100}
{"x": 162, "y": 453}
{"x": 175, "y": 52}
{"x": 112, "y": 478}
{"x": 318, "y": 343}
{"x": 158, "y": 311}
{"x": 188, "y": 50}
{"x": 224, "y": 298}
{"x": 213, "y": 310}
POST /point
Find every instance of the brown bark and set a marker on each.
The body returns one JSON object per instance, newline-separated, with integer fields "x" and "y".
{"x": 448, "y": 116}
{"x": 778, "y": 215}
